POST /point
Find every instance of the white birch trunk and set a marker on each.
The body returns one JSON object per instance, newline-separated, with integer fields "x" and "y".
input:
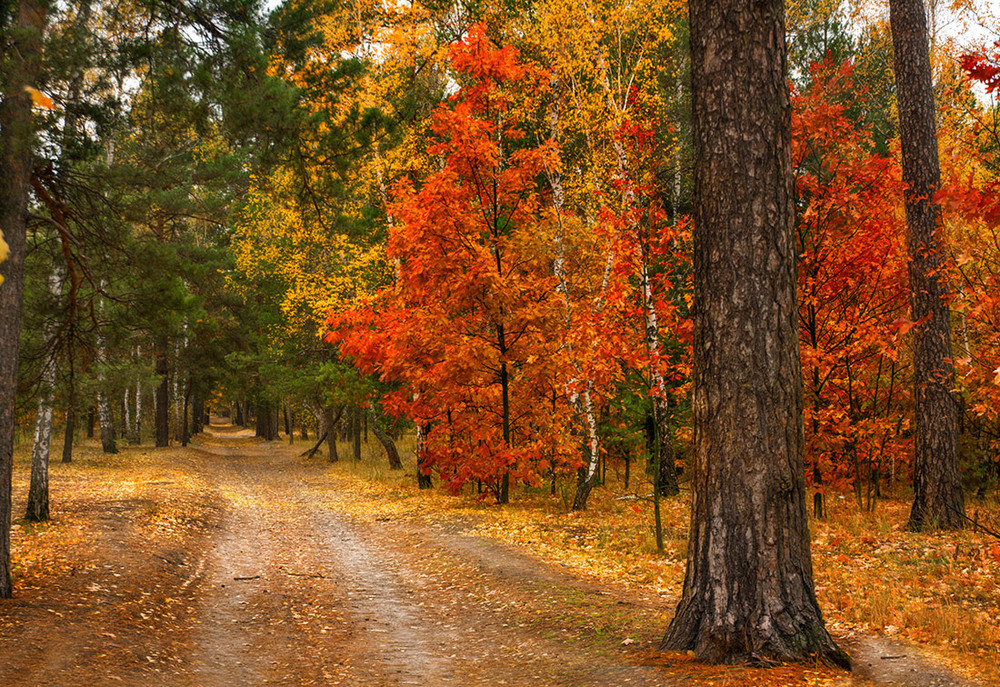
{"x": 582, "y": 402}
{"x": 128, "y": 413}
{"x": 38, "y": 491}
{"x": 103, "y": 407}
{"x": 137, "y": 421}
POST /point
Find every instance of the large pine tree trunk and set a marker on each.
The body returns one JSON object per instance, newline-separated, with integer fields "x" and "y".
{"x": 22, "y": 58}
{"x": 937, "y": 493}
{"x": 748, "y": 590}
{"x": 38, "y": 491}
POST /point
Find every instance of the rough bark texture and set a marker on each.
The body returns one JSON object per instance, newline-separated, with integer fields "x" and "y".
{"x": 937, "y": 492}
{"x": 19, "y": 63}
{"x": 38, "y": 491}
{"x": 748, "y": 591}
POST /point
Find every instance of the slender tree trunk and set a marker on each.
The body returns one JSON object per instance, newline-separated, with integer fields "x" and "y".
{"x": 162, "y": 394}
{"x": 424, "y": 481}
{"x": 126, "y": 415}
{"x": 587, "y": 474}
{"x": 38, "y": 491}
{"x": 331, "y": 421}
{"x": 22, "y": 59}
{"x": 387, "y": 443}
{"x": 937, "y": 492}
{"x": 748, "y": 590}
{"x": 136, "y": 428}
{"x": 104, "y": 417}
{"x": 70, "y": 429}
{"x": 105, "y": 422}
{"x": 185, "y": 428}
{"x": 91, "y": 421}
{"x": 356, "y": 424}
{"x": 580, "y": 401}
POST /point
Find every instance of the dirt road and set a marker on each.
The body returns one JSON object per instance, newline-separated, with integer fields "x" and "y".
{"x": 264, "y": 581}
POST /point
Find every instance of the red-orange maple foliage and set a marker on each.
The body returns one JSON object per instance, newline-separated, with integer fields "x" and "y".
{"x": 466, "y": 330}
{"x": 852, "y": 290}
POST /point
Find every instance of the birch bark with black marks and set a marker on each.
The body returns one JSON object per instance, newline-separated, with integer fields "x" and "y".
{"x": 579, "y": 391}
{"x": 938, "y": 500}
{"x": 38, "y": 491}
{"x": 657, "y": 386}
{"x": 104, "y": 419}
{"x": 748, "y": 590}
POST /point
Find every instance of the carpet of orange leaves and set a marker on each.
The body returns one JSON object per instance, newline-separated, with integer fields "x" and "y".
{"x": 939, "y": 592}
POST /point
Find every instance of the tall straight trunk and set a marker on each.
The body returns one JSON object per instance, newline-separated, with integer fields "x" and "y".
{"x": 70, "y": 428}
{"x": 136, "y": 430}
{"x": 104, "y": 421}
{"x": 185, "y": 436}
{"x": 197, "y": 414}
{"x": 331, "y": 420}
{"x": 38, "y": 491}
{"x": 104, "y": 418}
{"x": 581, "y": 401}
{"x": 424, "y": 481}
{"x": 748, "y": 589}
{"x": 387, "y": 443}
{"x": 288, "y": 423}
{"x": 176, "y": 400}
{"x": 162, "y": 394}
{"x": 20, "y": 63}
{"x": 91, "y": 421}
{"x": 937, "y": 492}
{"x": 657, "y": 387}
{"x": 126, "y": 414}
{"x": 356, "y": 424}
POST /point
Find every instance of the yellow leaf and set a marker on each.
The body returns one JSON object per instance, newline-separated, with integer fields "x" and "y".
{"x": 39, "y": 98}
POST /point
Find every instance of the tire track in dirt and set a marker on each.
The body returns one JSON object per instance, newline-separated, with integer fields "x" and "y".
{"x": 280, "y": 586}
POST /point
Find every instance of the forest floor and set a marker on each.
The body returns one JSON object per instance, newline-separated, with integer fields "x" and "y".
{"x": 238, "y": 562}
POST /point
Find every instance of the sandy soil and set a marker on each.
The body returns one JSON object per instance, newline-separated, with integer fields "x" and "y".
{"x": 270, "y": 583}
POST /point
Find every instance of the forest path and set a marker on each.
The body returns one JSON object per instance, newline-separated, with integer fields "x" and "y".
{"x": 233, "y": 562}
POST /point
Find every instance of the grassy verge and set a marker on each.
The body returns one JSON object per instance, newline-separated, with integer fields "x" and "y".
{"x": 937, "y": 591}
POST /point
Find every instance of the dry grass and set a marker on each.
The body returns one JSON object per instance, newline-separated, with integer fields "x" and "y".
{"x": 938, "y": 590}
